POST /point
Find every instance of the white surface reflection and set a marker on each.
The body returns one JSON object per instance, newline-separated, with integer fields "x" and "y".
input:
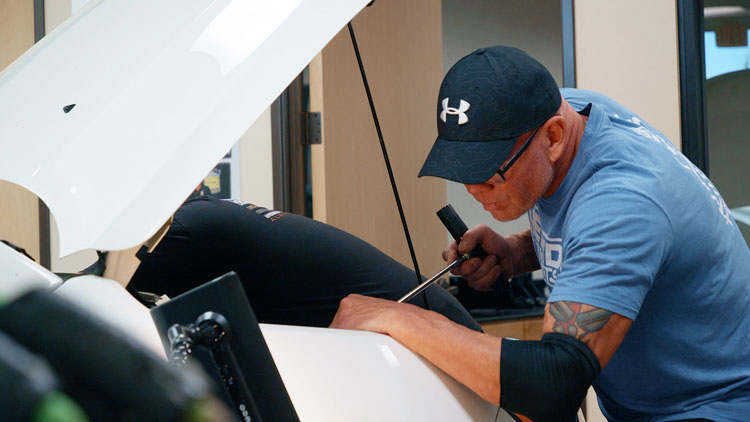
{"x": 389, "y": 356}
{"x": 240, "y": 28}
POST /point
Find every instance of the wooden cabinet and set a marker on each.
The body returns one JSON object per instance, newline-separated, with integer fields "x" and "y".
{"x": 519, "y": 328}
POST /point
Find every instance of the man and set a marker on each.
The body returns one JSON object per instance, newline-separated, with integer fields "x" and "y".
{"x": 294, "y": 270}
{"x": 649, "y": 275}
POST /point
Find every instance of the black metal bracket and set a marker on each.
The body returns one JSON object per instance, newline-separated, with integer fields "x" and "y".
{"x": 314, "y": 135}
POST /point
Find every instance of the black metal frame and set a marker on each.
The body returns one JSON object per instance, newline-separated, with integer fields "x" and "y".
{"x": 39, "y": 29}
{"x": 693, "y": 83}
{"x": 45, "y": 238}
{"x": 288, "y": 134}
{"x": 568, "y": 43}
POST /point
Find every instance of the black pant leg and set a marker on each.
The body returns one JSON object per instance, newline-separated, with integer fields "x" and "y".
{"x": 295, "y": 270}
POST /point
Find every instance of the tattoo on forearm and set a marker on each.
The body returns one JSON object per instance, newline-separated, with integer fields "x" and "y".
{"x": 570, "y": 320}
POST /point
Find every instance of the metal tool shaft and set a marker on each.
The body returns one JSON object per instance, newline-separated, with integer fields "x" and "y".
{"x": 427, "y": 283}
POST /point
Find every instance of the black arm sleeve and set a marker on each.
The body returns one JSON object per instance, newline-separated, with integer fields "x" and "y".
{"x": 546, "y": 380}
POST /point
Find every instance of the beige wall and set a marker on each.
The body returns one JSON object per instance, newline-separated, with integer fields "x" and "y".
{"x": 402, "y": 50}
{"x": 628, "y": 50}
{"x": 19, "y": 210}
{"x": 256, "y": 164}
{"x": 55, "y": 13}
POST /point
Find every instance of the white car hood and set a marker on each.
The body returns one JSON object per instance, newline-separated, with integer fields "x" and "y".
{"x": 162, "y": 90}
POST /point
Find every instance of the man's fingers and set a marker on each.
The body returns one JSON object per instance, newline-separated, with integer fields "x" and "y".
{"x": 480, "y": 274}
{"x": 475, "y": 268}
{"x": 467, "y": 267}
{"x": 485, "y": 282}
{"x": 482, "y": 267}
{"x": 450, "y": 253}
{"x": 468, "y": 241}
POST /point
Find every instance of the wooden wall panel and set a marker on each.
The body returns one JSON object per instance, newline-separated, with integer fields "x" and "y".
{"x": 19, "y": 217}
{"x": 401, "y": 46}
{"x": 19, "y": 209}
{"x": 16, "y": 29}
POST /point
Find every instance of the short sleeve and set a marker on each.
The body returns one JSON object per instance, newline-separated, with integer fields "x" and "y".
{"x": 614, "y": 243}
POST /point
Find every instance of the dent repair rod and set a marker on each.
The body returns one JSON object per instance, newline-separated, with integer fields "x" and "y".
{"x": 456, "y": 228}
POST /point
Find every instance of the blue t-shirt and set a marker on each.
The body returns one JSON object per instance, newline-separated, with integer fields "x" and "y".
{"x": 638, "y": 230}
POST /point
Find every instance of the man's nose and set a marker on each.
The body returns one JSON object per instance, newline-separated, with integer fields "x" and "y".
{"x": 475, "y": 189}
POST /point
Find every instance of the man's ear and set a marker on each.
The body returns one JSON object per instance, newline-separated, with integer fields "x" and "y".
{"x": 555, "y": 130}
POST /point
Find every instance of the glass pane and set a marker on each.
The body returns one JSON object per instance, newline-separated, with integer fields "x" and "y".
{"x": 728, "y": 106}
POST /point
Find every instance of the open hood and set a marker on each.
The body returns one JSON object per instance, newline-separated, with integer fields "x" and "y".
{"x": 114, "y": 117}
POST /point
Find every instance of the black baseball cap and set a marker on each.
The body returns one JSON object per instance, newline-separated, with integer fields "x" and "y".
{"x": 487, "y": 100}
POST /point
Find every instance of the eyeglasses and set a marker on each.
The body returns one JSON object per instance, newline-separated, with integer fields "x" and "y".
{"x": 517, "y": 155}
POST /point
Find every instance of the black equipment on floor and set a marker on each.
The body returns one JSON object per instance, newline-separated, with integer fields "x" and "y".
{"x": 219, "y": 315}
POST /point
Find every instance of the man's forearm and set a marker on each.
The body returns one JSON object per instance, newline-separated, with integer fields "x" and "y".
{"x": 524, "y": 255}
{"x": 472, "y": 358}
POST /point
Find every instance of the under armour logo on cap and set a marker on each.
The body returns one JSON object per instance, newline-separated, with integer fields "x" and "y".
{"x": 460, "y": 111}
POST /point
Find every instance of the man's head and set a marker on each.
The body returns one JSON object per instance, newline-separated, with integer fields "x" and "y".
{"x": 491, "y": 103}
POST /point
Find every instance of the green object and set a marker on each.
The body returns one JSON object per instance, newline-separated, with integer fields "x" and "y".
{"x": 207, "y": 409}
{"x": 57, "y": 407}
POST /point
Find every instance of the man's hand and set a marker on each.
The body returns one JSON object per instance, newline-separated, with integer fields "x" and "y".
{"x": 357, "y": 312}
{"x": 472, "y": 358}
{"x": 481, "y": 274}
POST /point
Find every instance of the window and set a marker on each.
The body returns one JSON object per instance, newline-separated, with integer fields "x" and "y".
{"x": 715, "y": 81}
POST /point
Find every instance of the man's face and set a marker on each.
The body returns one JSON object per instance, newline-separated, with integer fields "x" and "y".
{"x": 525, "y": 182}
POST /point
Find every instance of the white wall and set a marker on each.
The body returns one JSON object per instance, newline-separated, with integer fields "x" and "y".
{"x": 55, "y": 12}
{"x": 628, "y": 50}
{"x": 531, "y": 25}
{"x": 256, "y": 163}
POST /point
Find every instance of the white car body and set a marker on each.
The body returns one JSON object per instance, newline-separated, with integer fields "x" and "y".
{"x": 162, "y": 89}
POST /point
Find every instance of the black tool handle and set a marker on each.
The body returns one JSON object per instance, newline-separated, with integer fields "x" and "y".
{"x": 457, "y": 228}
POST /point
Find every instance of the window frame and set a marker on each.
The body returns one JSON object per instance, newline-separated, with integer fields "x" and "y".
{"x": 692, "y": 58}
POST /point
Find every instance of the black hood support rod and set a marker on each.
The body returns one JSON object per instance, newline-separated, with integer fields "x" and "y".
{"x": 387, "y": 162}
